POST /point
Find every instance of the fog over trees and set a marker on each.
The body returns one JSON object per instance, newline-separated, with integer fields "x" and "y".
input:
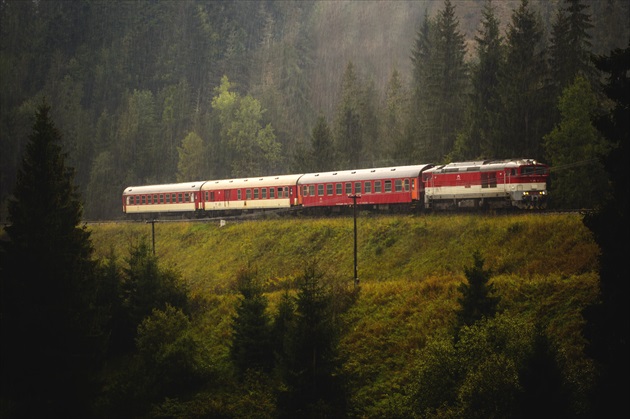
{"x": 133, "y": 86}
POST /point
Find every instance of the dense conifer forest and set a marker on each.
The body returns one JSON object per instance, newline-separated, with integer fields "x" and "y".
{"x": 455, "y": 316}
{"x": 157, "y": 92}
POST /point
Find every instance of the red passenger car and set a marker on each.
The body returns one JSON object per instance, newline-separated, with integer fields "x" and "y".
{"x": 380, "y": 188}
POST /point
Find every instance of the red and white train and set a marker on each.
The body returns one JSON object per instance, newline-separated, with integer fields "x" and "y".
{"x": 515, "y": 183}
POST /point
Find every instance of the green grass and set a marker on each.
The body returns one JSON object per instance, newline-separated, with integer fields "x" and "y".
{"x": 544, "y": 269}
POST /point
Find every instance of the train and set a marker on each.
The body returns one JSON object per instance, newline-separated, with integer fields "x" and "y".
{"x": 486, "y": 184}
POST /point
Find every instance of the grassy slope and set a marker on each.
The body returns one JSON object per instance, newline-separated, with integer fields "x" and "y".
{"x": 545, "y": 268}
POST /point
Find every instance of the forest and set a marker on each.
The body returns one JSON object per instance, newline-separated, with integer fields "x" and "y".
{"x": 158, "y": 92}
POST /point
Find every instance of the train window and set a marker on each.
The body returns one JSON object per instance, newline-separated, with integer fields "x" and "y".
{"x": 338, "y": 188}
{"x": 398, "y": 185}
{"x": 144, "y": 199}
{"x": 286, "y": 191}
{"x": 377, "y": 186}
{"x": 248, "y": 194}
{"x": 161, "y": 198}
{"x": 388, "y": 186}
{"x": 329, "y": 189}
{"x": 155, "y": 199}
{"x": 187, "y": 197}
{"x": 348, "y": 188}
{"x": 173, "y": 198}
{"x": 272, "y": 193}
{"x": 279, "y": 192}
{"x": 320, "y": 189}
{"x": 357, "y": 187}
{"x": 406, "y": 185}
{"x": 311, "y": 190}
{"x": 263, "y": 192}
{"x": 305, "y": 190}
{"x": 238, "y": 194}
{"x": 256, "y": 193}
{"x": 179, "y": 197}
{"x": 368, "y": 187}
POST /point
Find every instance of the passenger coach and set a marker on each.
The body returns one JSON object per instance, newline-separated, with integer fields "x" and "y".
{"x": 381, "y": 188}
{"x": 260, "y": 193}
{"x": 169, "y": 198}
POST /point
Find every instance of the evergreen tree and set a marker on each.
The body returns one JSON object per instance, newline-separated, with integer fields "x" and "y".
{"x": 323, "y": 148}
{"x": 396, "y": 116}
{"x": 570, "y": 46}
{"x": 313, "y": 385}
{"x": 251, "y": 332}
{"x": 481, "y": 136}
{"x": 525, "y": 95}
{"x": 575, "y": 149}
{"x": 421, "y": 56}
{"x": 348, "y": 122}
{"x": 608, "y": 322}
{"x": 50, "y": 334}
{"x": 476, "y": 299}
{"x": 440, "y": 77}
{"x": 145, "y": 287}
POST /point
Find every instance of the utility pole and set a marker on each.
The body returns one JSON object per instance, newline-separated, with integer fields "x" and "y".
{"x": 153, "y": 221}
{"x": 354, "y": 211}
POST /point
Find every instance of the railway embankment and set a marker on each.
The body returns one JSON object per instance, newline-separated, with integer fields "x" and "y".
{"x": 544, "y": 270}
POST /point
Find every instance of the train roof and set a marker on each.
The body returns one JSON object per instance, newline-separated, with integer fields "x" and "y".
{"x": 482, "y": 165}
{"x": 168, "y": 187}
{"x": 365, "y": 174}
{"x": 252, "y": 182}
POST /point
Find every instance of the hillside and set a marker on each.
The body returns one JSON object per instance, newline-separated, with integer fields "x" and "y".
{"x": 544, "y": 269}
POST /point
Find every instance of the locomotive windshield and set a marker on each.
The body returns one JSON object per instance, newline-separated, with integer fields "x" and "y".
{"x": 534, "y": 170}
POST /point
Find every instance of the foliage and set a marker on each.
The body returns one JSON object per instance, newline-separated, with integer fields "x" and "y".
{"x": 52, "y": 336}
{"x": 191, "y": 164}
{"x": 251, "y": 336}
{"x": 608, "y": 326}
{"x": 575, "y": 148}
{"x": 477, "y": 300}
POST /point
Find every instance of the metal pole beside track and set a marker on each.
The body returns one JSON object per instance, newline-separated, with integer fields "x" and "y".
{"x": 354, "y": 212}
{"x": 153, "y": 234}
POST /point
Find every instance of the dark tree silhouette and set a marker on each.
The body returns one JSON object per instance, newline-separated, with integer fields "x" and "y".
{"x": 608, "y": 323}
{"x": 476, "y": 300}
{"x": 251, "y": 342}
{"x": 50, "y": 339}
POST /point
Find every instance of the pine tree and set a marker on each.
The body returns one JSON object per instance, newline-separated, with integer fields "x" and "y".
{"x": 323, "y": 149}
{"x": 485, "y": 106}
{"x": 50, "y": 335}
{"x": 314, "y": 389}
{"x": 608, "y": 322}
{"x": 440, "y": 77}
{"x": 476, "y": 300}
{"x": 525, "y": 95}
{"x": 570, "y": 47}
{"x": 348, "y": 123}
{"x": 251, "y": 340}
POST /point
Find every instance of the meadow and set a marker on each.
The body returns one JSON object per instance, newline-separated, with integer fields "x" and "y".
{"x": 544, "y": 269}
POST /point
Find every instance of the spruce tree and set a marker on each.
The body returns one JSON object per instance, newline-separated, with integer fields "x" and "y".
{"x": 50, "y": 338}
{"x": 313, "y": 385}
{"x": 484, "y": 107}
{"x": 476, "y": 300}
{"x": 251, "y": 341}
{"x": 570, "y": 48}
{"x": 608, "y": 322}
{"x": 348, "y": 123}
{"x": 525, "y": 95}
{"x": 323, "y": 153}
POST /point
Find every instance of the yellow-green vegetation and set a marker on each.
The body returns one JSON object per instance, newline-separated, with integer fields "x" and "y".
{"x": 544, "y": 269}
